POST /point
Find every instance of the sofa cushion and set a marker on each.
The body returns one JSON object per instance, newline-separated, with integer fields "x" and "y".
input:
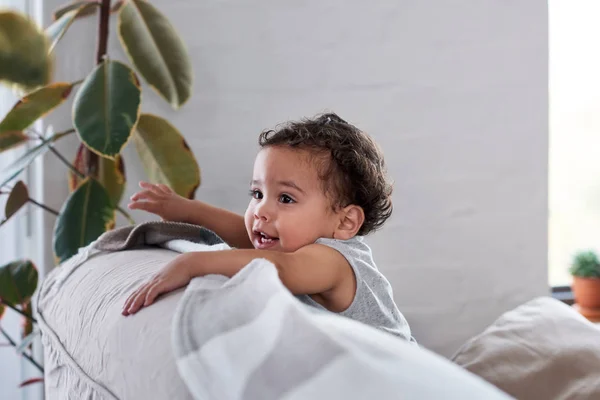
{"x": 542, "y": 349}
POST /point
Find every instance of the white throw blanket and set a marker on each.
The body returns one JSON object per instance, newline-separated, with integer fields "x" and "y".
{"x": 249, "y": 338}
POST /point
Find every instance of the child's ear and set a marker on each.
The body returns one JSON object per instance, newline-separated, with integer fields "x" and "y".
{"x": 352, "y": 218}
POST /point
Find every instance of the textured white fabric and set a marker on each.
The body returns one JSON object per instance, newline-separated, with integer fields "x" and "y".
{"x": 98, "y": 353}
{"x": 240, "y": 338}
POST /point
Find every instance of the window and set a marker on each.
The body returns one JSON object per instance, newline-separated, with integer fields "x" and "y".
{"x": 574, "y": 163}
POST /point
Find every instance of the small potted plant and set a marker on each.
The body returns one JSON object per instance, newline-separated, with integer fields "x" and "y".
{"x": 586, "y": 283}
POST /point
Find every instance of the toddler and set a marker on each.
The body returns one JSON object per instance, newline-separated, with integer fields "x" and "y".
{"x": 318, "y": 187}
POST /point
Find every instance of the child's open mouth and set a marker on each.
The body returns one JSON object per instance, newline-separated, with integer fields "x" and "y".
{"x": 264, "y": 241}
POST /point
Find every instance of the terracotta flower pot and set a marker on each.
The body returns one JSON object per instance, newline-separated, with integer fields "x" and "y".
{"x": 587, "y": 292}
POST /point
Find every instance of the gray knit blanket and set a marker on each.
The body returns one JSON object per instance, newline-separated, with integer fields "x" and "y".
{"x": 155, "y": 233}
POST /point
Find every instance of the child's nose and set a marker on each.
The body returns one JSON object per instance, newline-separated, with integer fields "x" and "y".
{"x": 264, "y": 211}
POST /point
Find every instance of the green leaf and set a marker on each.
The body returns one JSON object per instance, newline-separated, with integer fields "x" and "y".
{"x": 34, "y": 106}
{"x": 86, "y": 215}
{"x": 18, "y": 281}
{"x": 116, "y": 6}
{"x": 56, "y": 31}
{"x": 107, "y": 107}
{"x": 27, "y": 341}
{"x": 165, "y": 155}
{"x": 110, "y": 174}
{"x": 19, "y": 196}
{"x": 61, "y": 11}
{"x": 14, "y": 169}
{"x": 24, "y": 58}
{"x": 585, "y": 264}
{"x": 2, "y": 309}
{"x": 156, "y": 50}
{"x": 10, "y": 139}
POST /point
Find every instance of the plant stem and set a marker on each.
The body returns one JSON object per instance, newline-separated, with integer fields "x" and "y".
{"x": 103, "y": 21}
{"x": 15, "y": 309}
{"x": 103, "y": 30}
{"x": 57, "y": 136}
{"x": 50, "y": 210}
{"x": 67, "y": 163}
{"x": 14, "y": 344}
{"x": 57, "y": 154}
{"x": 60, "y": 135}
{"x": 82, "y": 176}
{"x": 92, "y": 159}
{"x": 7, "y": 336}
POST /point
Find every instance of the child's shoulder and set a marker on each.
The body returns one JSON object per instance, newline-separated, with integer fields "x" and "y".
{"x": 355, "y": 250}
{"x": 355, "y": 243}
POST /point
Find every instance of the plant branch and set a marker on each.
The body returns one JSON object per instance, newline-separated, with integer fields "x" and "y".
{"x": 27, "y": 356}
{"x": 57, "y": 136}
{"x": 60, "y": 156}
{"x": 66, "y": 162}
{"x": 7, "y": 336}
{"x": 45, "y": 207}
{"x": 92, "y": 158}
{"x": 103, "y": 30}
{"x": 82, "y": 176}
{"x": 15, "y": 309}
{"x": 60, "y": 135}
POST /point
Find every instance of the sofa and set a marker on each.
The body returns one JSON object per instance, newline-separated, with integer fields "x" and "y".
{"x": 248, "y": 338}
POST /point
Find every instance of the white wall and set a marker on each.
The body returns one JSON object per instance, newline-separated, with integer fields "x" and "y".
{"x": 454, "y": 91}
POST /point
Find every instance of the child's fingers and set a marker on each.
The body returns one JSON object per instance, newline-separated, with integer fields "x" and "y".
{"x": 149, "y": 206}
{"x": 131, "y": 297}
{"x": 164, "y": 188}
{"x": 135, "y": 295}
{"x": 152, "y": 293}
{"x": 151, "y": 187}
{"x": 146, "y": 195}
{"x": 129, "y": 301}
{"x": 138, "y": 301}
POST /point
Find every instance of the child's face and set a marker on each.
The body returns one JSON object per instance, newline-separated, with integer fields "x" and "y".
{"x": 288, "y": 209}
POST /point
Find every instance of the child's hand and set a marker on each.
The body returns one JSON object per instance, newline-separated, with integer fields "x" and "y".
{"x": 159, "y": 199}
{"x": 173, "y": 276}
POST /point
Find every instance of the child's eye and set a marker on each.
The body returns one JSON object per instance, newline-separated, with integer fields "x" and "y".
{"x": 256, "y": 194}
{"x": 285, "y": 199}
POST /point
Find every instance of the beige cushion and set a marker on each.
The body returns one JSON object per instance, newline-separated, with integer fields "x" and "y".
{"x": 540, "y": 350}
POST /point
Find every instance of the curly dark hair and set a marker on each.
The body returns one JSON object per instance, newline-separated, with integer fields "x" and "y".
{"x": 352, "y": 168}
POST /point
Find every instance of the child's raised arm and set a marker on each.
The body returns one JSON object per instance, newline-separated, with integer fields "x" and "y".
{"x": 161, "y": 200}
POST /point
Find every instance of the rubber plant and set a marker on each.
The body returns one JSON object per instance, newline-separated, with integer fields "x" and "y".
{"x": 106, "y": 115}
